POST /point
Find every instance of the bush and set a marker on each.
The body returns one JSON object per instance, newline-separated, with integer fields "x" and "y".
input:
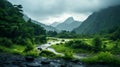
{"x": 47, "y": 53}
{"x": 78, "y": 44}
{"x": 68, "y": 55}
{"x": 97, "y": 44}
{"x": 31, "y": 53}
{"x": 102, "y": 58}
{"x": 28, "y": 48}
{"x": 5, "y": 42}
{"x": 40, "y": 39}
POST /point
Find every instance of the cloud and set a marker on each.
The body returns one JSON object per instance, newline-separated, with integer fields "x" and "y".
{"x": 43, "y": 9}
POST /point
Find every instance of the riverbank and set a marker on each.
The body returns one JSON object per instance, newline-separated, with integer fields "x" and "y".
{"x": 10, "y": 60}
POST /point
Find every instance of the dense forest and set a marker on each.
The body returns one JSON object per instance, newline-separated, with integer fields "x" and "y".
{"x": 14, "y": 30}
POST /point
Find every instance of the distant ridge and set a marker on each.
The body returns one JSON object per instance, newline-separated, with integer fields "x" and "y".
{"x": 102, "y": 20}
{"x": 69, "y": 24}
{"x": 47, "y": 27}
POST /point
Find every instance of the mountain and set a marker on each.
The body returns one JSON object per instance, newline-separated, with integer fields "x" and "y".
{"x": 68, "y": 25}
{"x": 47, "y": 28}
{"x": 100, "y": 21}
{"x": 54, "y": 24}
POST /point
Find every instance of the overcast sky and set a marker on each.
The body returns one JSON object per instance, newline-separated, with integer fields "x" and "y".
{"x": 49, "y": 11}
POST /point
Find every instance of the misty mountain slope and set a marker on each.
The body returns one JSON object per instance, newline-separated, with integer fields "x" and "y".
{"x": 68, "y": 25}
{"x": 54, "y": 24}
{"x": 47, "y": 28}
{"x": 102, "y": 20}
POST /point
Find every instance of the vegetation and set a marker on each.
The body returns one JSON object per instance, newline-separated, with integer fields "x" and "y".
{"x": 15, "y": 31}
{"x": 66, "y": 34}
{"x": 68, "y": 55}
{"x": 102, "y": 58}
{"x": 105, "y": 51}
{"x": 49, "y": 54}
{"x": 97, "y": 44}
{"x": 20, "y": 37}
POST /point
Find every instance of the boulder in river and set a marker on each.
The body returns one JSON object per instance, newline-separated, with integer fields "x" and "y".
{"x": 29, "y": 58}
{"x": 35, "y": 64}
{"x": 45, "y": 62}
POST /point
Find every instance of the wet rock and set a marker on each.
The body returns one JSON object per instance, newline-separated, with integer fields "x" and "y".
{"x": 11, "y": 66}
{"x": 33, "y": 64}
{"x": 29, "y": 58}
{"x": 39, "y": 48}
{"x": 45, "y": 62}
{"x": 75, "y": 61}
{"x": 63, "y": 65}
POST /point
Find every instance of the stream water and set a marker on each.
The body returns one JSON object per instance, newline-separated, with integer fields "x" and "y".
{"x": 47, "y": 47}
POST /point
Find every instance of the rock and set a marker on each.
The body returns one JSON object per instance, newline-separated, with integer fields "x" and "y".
{"x": 39, "y": 48}
{"x": 62, "y": 65}
{"x": 33, "y": 64}
{"x": 75, "y": 61}
{"x": 45, "y": 62}
{"x": 29, "y": 58}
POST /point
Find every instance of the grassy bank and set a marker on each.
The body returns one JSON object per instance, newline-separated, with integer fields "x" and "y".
{"x": 103, "y": 58}
{"x": 104, "y": 51}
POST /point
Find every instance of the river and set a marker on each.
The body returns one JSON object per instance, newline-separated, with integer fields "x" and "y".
{"x": 50, "y": 43}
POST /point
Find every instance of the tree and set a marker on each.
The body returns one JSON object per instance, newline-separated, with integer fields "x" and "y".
{"x": 52, "y": 33}
{"x": 97, "y": 44}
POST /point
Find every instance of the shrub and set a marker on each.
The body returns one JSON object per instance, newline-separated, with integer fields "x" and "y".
{"x": 31, "y": 53}
{"x": 68, "y": 55}
{"x": 28, "y": 48}
{"x": 97, "y": 44}
{"x": 47, "y": 53}
{"x": 102, "y": 58}
{"x": 40, "y": 39}
{"x": 78, "y": 44}
{"x": 5, "y": 42}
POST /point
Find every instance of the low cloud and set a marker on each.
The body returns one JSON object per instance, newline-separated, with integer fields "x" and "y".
{"x": 42, "y": 9}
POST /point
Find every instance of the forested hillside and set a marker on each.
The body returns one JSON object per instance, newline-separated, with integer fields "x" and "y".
{"x": 100, "y": 21}
{"x": 13, "y": 28}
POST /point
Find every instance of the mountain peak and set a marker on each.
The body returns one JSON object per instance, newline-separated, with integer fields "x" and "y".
{"x": 69, "y": 20}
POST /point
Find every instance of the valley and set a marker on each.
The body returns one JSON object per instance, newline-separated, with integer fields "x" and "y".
{"x": 52, "y": 37}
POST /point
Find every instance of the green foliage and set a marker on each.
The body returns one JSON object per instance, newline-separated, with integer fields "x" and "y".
{"x": 33, "y": 53}
{"x": 40, "y": 39}
{"x": 116, "y": 48}
{"x": 61, "y": 48}
{"x": 115, "y": 34}
{"x": 28, "y": 48}
{"x": 49, "y": 54}
{"x": 51, "y": 33}
{"x": 67, "y": 34}
{"x": 15, "y": 31}
{"x": 78, "y": 44}
{"x": 5, "y": 42}
{"x": 97, "y": 44}
{"x": 68, "y": 55}
{"x": 102, "y": 58}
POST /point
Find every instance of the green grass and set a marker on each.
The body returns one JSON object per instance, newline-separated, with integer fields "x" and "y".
{"x": 19, "y": 49}
{"x": 12, "y": 49}
{"x": 102, "y": 58}
{"x": 49, "y": 54}
{"x": 60, "y": 48}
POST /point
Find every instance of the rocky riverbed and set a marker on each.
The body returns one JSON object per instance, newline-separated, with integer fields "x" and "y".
{"x": 10, "y": 60}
